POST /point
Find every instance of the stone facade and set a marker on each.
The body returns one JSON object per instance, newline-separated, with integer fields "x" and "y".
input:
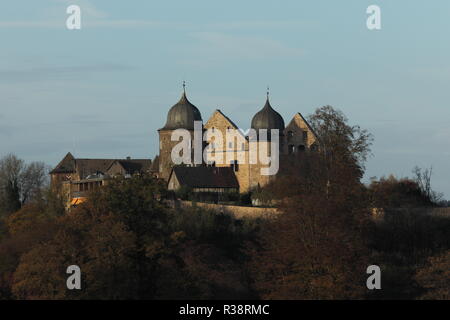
{"x": 237, "y": 151}
{"x": 74, "y": 178}
{"x": 165, "y": 152}
{"x": 298, "y": 136}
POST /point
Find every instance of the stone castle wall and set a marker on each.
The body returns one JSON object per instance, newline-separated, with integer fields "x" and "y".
{"x": 241, "y": 212}
{"x": 238, "y": 212}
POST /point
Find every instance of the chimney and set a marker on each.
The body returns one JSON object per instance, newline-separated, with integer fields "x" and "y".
{"x": 128, "y": 158}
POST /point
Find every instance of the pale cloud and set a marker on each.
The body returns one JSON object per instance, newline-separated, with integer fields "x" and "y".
{"x": 126, "y": 24}
{"x": 438, "y": 73}
{"x": 442, "y": 135}
{"x": 88, "y": 23}
{"x": 215, "y": 47}
{"x": 32, "y": 24}
{"x": 57, "y": 72}
{"x": 262, "y": 24}
{"x": 87, "y": 8}
{"x": 54, "y": 17}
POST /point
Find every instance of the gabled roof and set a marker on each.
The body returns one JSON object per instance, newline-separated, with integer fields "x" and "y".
{"x": 66, "y": 165}
{"x": 86, "y": 167}
{"x": 218, "y": 111}
{"x": 132, "y": 166}
{"x": 305, "y": 121}
{"x": 205, "y": 177}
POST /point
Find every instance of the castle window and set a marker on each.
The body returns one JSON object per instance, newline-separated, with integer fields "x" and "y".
{"x": 301, "y": 148}
{"x": 291, "y": 149}
{"x": 290, "y": 134}
{"x": 243, "y": 146}
{"x": 230, "y": 145}
{"x": 305, "y": 135}
{"x": 235, "y": 165}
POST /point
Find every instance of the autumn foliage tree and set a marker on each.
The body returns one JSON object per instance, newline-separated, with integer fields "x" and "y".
{"x": 434, "y": 277}
{"x": 128, "y": 245}
{"x": 316, "y": 248}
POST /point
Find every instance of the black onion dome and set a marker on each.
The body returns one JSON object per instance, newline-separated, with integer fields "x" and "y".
{"x": 268, "y": 118}
{"x": 182, "y": 115}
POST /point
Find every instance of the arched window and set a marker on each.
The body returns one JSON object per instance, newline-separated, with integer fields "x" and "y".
{"x": 301, "y": 148}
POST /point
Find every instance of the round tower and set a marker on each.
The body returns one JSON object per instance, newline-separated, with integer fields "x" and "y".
{"x": 180, "y": 116}
{"x": 269, "y": 119}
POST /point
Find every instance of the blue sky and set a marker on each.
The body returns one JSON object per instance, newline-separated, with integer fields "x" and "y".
{"x": 104, "y": 90}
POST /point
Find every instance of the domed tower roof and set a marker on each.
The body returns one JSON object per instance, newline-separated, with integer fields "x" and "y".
{"x": 268, "y": 118}
{"x": 182, "y": 115}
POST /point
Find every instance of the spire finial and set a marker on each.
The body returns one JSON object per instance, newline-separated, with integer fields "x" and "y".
{"x": 268, "y": 92}
{"x": 184, "y": 87}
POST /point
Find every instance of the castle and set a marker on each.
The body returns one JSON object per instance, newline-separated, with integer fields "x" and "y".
{"x": 78, "y": 176}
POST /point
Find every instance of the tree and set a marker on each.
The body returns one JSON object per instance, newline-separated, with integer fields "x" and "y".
{"x": 23, "y": 229}
{"x": 128, "y": 245}
{"x": 339, "y": 139}
{"x": 100, "y": 245}
{"x": 423, "y": 178}
{"x": 11, "y": 169}
{"x": 317, "y": 249}
{"x": 20, "y": 182}
{"x": 397, "y": 193}
{"x": 435, "y": 277}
